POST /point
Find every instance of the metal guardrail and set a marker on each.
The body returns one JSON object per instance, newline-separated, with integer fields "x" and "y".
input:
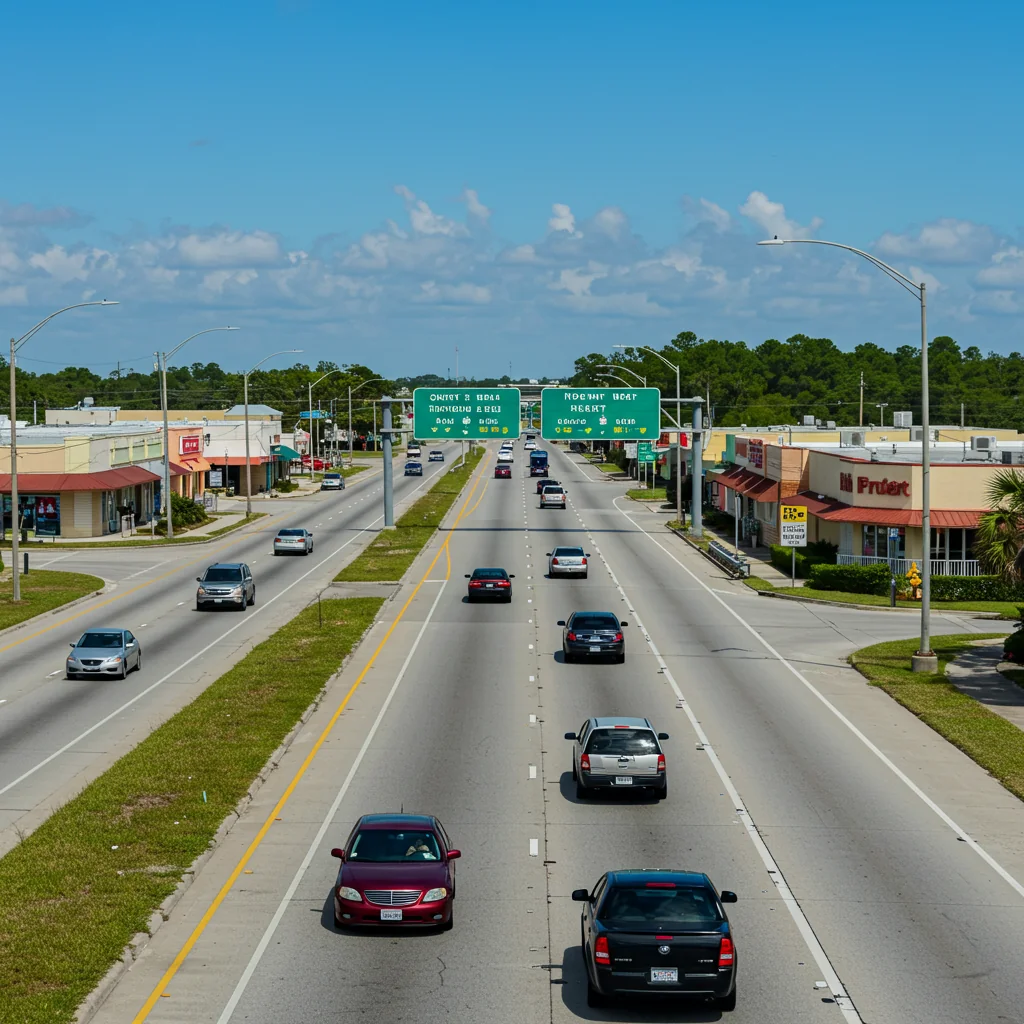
{"x": 725, "y": 558}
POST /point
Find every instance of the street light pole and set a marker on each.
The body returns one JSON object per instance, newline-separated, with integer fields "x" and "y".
{"x": 16, "y": 343}
{"x": 373, "y": 380}
{"x": 245, "y": 391}
{"x": 162, "y": 364}
{"x": 679, "y": 440}
{"x": 312, "y": 475}
{"x": 925, "y": 659}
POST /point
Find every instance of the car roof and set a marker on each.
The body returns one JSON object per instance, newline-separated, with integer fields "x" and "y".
{"x": 104, "y": 629}
{"x": 640, "y": 876}
{"x": 225, "y": 565}
{"x": 488, "y": 568}
{"x": 397, "y": 821}
{"x": 611, "y": 723}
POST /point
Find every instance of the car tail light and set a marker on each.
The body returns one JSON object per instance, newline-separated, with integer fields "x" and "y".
{"x": 659, "y": 885}
{"x": 602, "y": 956}
{"x": 618, "y": 637}
{"x": 475, "y": 583}
{"x": 584, "y": 561}
{"x": 504, "y": 583}
{"x": 725, "y": 952}
{"x": 585, "y": 762}
{"x": 554, "y": 561}
{"x": 571, "y": 637}
{"x": 661, "y": 762}
{"x": 663, "y": 938}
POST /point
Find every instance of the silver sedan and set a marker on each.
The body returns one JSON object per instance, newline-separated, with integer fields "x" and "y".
{"x": 293, "y": 542}
{"x": 104, "y": 652}
{"x": 568, "y": 562}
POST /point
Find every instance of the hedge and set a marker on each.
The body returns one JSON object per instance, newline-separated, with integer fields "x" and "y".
{"x": 806, "y": 559}
{"x": 852, "y": 579}
{"x": 975, "y": 588}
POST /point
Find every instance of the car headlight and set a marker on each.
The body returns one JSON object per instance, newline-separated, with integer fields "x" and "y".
{"x": 431, "y": 895}
{"x": 114, "y": 660}
{"x": 202, "y": 590}
{"x": 236, "y": 590}
{"x": 352, "y": 895}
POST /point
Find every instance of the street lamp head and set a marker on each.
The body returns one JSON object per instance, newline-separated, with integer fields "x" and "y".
{"x": 774, "y": 241}
{"x": 109, "y": 302}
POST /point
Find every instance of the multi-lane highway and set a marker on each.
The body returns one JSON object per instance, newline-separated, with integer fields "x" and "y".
{"x": 849, "y": 830}
{"x": 56, "y": 734}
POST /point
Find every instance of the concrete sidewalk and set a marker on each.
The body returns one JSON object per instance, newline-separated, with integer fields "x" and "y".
{"x": 976, "y": 673}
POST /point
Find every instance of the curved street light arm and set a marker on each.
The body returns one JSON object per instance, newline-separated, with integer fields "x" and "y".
{"x": 373, "y": 380}
{"x": 283, "y": 352}
{"x": 42, "y": 323}
{"x": 619, "y": 366}
{"x": 180, "y": 345}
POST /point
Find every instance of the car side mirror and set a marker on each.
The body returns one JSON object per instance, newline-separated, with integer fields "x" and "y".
{"x": 570, "y": 735}
{"x": 547, "y": 554}
{"x": 581, "y": 896}
{"x": 623, "y": 623}
{"x": 340, "y": 853}
{"x": 454, "y": 854}
{"x": 663, "y": 736}
{"x": 588, "y": 554}
{"x": 727, "y": 897}
{"x": 71, "y": 645}
{"x": 466, "y": 575}
{"x": 511, "y": 575}
{"x": 131, "y": 643}
{"x": 560, "y": 622}
{"x": 199, "y": 579}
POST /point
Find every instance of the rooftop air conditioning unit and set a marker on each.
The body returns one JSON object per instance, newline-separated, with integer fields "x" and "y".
{"x": 904, "y": 420}
{"x": 917, "y": 433}
{"x": 1007, "y": 458}
{"x": 817, "y": 423}
{"x": 808, "y": 421}
{"x": 782, "y": 438}
{"x": 983, "y": 443}
{"x": 88, "y": 402}
{"x": 831, "y": 424}
{"x": 857, "y": 438}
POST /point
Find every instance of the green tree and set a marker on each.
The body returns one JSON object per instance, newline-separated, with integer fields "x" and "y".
{"x": 1000, "y": 539}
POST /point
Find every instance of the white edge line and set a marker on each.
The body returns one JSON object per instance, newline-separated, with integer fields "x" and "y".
{"x": 314, "y": 846}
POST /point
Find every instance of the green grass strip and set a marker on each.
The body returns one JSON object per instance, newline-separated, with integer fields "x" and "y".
{"x": 393, "y": 551}
{"x": 646, "y": 494}
{"x": 43, "y": 590}
{"x": 987, "y": 738}
{"x": 78, "y": 889}
{"x": 1005, "y": 609}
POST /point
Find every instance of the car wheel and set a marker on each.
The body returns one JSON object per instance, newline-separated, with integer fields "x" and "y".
{"x": 450, "y": 923}
{"x": 581, "y": 790}
{"x": 663, "y": 792}
{"x": 276, "y": 553}
{"x": 252, "y": 601}
{"x": 70, "y": 675}
{"x": 575, "y": 776}
{"x": 729, "y": 1002}
{"x": 508, "y": 600}
{"x": 621, "y": 658}
{"x": 138, "y": 662}
{"x": 595, "y": 998}
{"x": 124, "y": 670}
{"x": 585, "y": 575}
{"x": 199, "y": 607}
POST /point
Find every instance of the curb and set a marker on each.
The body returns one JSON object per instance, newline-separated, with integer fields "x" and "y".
{"x": 876, "y": 607}
{"x": 60, "y": 609}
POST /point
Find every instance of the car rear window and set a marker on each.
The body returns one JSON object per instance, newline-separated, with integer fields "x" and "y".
{"x": 627, "y": 907}
{"x": 489, "y": 574}
{"x": 291, "y": 533}
{"x": 388, "y": 846}
{"x": 568, "y": 552}
{"x": 332, "y": 476}
{"x": 100, "y": 640}
{"x": 220, "y": 574}
{"x": 591, "y": 621}
{"x": 633, "y": 742}
{"x": 553, "y": 490}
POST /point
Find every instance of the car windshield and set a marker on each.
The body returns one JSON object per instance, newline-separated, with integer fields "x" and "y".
{"x": 592, "y": 620}
{"x": 100, "y": 640}
{"x": 632, "y": 742}
{"x": 222, "y": 574}
{"x": 553, "y": 490}
{"x": 568, "y": 552}
{"x": 291, "y": 533}
{"x": 627, "y": 907}
{"x": 385, "y": 846}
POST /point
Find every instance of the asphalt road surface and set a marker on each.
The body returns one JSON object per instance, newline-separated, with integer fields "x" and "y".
{"x": 849, "y": 830}
{"x": 57, "y": 734}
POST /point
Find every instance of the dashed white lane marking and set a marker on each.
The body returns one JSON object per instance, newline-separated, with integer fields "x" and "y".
{"x": 531, "y": 679}
{"x": 533, "y": 771}
{"x": 180, "y": 603}
{"x": 534, "y": 847}
{"x": 531, "y": 648}
{"x": 57, "y": 673}
{"x": 533, "y": 718}
{"x": 142, "y": 625}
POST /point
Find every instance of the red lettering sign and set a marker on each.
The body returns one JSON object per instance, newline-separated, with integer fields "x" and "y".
{"x": 756, "y": 452}
{"x": 190, "y": 444}
{"x": 883, "y": 486}
{"x": 846, "y": 482}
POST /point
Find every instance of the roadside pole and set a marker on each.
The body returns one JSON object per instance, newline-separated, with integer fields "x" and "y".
{"x": 389, "y": 484}
{"x": 696, "y": 510}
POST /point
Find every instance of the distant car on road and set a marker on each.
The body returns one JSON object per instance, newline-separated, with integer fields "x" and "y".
{"x": 618, "y": 753}
{"x": 104, "y": 652}
{"x": 565, "y": 561}
{"x": 668, "y": 927}
{"x": 414, "y": 469}
{"x": 543, "y": 482}
{"x": 293, "y": 542}
{"x": 529, "y": 445}
{"x": 489, "y": 584}
{"x": 318, "y": 464}
{"x": 503, "y": 471}
{"x": 593, "y": 635}
{"x": 553, "y": 497}
{"x": 332, "y": 482}
{"x": 436, "y": 456}
{"x": 505, "y": 455}
{"x": 226, "y": 584}
{"x": 397, "y": 870}
{"x": 413, "y": 451}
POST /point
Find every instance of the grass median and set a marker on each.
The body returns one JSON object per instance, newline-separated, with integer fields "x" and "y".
{"x": 79, "y": 888}
{"x": 987, "y": 738}
{"x": 42, "y": 591}
{"x": 647, "y": 494}
{"x": 392, "y": 551}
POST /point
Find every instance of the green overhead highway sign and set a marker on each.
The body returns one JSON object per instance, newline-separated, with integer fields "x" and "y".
{"x": 465, "y": 412}
{"x": 645, "y": 452}
{"x": 588, "y": 414}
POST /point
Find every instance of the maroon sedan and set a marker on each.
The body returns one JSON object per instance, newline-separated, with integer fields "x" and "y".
{"x": 546, "y": 482}
{"x": 503, "y": 471}
{"x": 396, "y": 870}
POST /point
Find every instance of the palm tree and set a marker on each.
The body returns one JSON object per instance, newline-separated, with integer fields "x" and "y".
{"x": 1000, "y": 540}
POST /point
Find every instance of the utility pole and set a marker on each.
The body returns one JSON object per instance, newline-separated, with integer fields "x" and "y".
{"x": 389, "y": 485}
{"x": 881, "y": 407}
{"x": 961, "y": 415}
{"x": 860, "y": 419}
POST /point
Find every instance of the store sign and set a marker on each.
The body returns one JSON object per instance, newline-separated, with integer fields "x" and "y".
{"x": 216, "y": 478}
{"x": 756, "y": 452}
{"x": 190, "y": 444}
{"x": 741, "y": 447}
{"x": 865, "y": 485}
{"x": 630, "y": 447}
{"x": 792, "y": 526}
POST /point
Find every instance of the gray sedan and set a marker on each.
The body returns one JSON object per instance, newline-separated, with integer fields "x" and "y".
{"x": 293, "y": 542}
{"x": 567, "y": 562}
{"x": 104, "y": 652}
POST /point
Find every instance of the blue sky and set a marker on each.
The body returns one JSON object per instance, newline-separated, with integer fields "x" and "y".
{"x": 380, "y": 183}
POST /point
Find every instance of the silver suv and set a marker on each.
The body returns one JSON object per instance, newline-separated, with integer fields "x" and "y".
{"x": 618, "y": 753}
{"x": 227, "y": 585}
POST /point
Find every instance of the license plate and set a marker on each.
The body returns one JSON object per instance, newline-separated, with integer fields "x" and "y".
{"x": 490, "y": 586}
{"x": 664, "y": 975}
{"x": 595, "y": 650}
{"x": 623, "y": 780}
{"x": 391, "y": 915}
{"x": 218, "y": 600}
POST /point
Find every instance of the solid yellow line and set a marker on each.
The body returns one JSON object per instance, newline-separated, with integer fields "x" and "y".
{"x": 197, "y": 932}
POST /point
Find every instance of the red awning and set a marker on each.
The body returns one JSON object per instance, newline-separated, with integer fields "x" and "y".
{"x": 816, "y": 506}
{"x": 763, "y": 490}
{"x": 840, "y": 512}
{"x": 177, "y": 470}
{"x": 107, "y": 480}
{"x": 753, "y": 485}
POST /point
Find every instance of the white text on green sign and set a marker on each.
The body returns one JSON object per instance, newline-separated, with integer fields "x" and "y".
{"x": 465, "y": 412}
{"x": 598, "y": 413}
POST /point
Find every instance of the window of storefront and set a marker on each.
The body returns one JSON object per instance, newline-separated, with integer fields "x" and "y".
{"x": 883, "y": 541}
{"x": 39, "y": 513}
{"x": 953, "y": 543}
{"x": 765, "y": 511}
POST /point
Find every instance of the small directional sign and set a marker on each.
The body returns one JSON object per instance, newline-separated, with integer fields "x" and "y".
{"x": 465, "y": 412}
{"x": 793, "y": 523}
{"x": 645, "y": 452}
{"x": 615, "y": 414}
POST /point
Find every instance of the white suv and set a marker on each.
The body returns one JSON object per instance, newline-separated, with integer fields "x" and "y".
{"x": 552, "y": 497}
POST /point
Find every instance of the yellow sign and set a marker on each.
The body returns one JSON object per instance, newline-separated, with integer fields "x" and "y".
{"x": 794, "y": 513}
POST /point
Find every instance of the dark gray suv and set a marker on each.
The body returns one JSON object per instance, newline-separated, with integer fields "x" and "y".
{"x": 226, "y": 585}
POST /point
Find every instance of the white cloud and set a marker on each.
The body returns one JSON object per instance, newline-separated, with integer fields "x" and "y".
{"x": 228, "y": 248}
{"x": 455, "y": 294}
{"x": 771, "y": 216}
{"x": 76, "y": 265}
{"x": 706, "y": 212}
{"x": 519, "y": 254}
{"x": 14, "y": 295}
{"x": 611, "y": 221}
{"x": 578, "y": 281}
{"x": 219, "y": 281}
{"x": 423, "y": 219}
{"x": 562, "y": 219}
{"x": 947, "y": 240}
{"x": 919, "y": 275}
{"x": 473, "y": 205}
{"x": 1001, "y": 301}
{"x": 1006, "y": 269}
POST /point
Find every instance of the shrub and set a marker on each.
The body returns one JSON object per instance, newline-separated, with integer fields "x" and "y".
{"x": 852, "y": 579}
{"x": 186, "y": 512}
{"x": 1013, "y": 646}
{"x": 975, "y": 588}
{"x": 818, "y": 553}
